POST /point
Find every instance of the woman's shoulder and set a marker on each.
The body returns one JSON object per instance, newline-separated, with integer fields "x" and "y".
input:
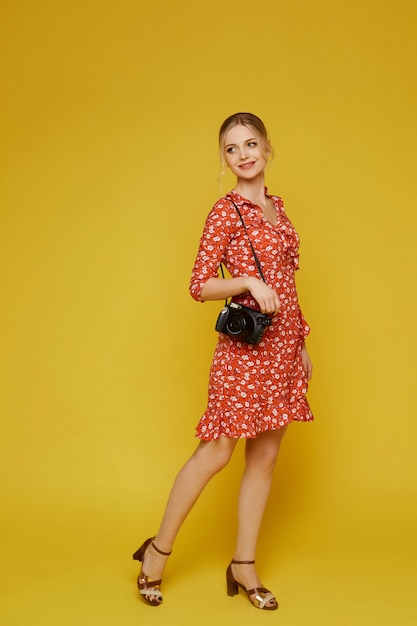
{"x": 223, "y": 208}
{"x": 222, "y": 216}
{"x": 225, "y": 202}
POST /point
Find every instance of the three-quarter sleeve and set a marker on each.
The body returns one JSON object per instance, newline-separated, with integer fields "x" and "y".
{"x": 217, "y": 234}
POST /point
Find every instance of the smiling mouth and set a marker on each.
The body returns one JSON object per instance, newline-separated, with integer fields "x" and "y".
{"x": 246, "y": 166}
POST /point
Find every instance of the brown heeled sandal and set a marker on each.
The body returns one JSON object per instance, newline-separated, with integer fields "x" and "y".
{"x": 262, "y": 596}
{"x": 149, "y": 589}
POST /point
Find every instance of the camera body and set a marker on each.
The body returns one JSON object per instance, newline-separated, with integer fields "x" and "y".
{"x": 242, "y": 323}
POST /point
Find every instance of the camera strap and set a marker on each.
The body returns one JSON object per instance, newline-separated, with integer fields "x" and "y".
{"x": 258, "y": 265}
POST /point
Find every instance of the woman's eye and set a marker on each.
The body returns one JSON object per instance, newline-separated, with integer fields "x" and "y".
{"x": 252, "y": 144}
{"x": 230, "y": 150}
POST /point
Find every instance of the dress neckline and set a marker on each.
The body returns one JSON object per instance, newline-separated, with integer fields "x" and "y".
{"x": 242, "y": 200}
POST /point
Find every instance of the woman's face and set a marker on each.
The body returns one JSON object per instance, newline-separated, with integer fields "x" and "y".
{"x": 243, "y": 152}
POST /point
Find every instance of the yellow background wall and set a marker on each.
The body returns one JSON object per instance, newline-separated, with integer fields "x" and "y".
{"x": 110, "y": 114}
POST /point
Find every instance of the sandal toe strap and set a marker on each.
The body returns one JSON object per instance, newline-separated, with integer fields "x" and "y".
{"x": 148, "y": 588}
{"x": 262, "y": 596}
{"x": 152, "y": 592}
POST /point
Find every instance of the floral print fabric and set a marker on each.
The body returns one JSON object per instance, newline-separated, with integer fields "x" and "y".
{"x": 254, "y": 388}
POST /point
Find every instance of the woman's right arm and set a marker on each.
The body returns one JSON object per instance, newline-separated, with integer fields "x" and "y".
{"x": 222, "y": 288}
{"x": 205, "y": 284}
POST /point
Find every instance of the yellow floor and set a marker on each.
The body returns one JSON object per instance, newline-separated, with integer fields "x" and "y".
{"x": 75, "y": 567}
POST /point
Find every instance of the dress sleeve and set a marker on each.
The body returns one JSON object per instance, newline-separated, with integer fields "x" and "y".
{"x": 218, "y": 231}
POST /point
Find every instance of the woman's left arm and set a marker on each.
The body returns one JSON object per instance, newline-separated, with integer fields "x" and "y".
{"x": 308, "y": 366}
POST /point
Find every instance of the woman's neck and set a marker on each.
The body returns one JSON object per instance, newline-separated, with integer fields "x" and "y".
{"x": 253, "y": 190}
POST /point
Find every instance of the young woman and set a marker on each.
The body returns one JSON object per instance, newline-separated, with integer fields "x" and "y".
{"x": 255, "y": 391}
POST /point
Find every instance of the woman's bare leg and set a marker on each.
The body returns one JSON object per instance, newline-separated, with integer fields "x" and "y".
{"x": 261, "y": 454}
{"x": 208, "y": 459}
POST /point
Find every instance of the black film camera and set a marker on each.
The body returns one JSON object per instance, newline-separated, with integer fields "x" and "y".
{"x": 242, "y": 323}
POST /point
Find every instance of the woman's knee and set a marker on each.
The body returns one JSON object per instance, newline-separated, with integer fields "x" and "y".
{"x": 263, "y": 462}
{"x": 216, "y": 454}
{"x": 263, "y": 451}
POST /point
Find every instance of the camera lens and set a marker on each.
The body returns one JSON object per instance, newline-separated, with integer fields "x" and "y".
{"x": 236, "y": 324}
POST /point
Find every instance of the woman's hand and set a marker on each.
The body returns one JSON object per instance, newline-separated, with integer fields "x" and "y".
{"x": 308, "y": 366}
{"x": 266, "y": 297}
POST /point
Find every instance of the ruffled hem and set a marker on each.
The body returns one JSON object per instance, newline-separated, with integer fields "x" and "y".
{"x": 212, "y": 426}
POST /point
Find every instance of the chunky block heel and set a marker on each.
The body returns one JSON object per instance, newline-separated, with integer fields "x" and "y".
{"x": 138, "y": 555}
{"x": 232, "y": 588}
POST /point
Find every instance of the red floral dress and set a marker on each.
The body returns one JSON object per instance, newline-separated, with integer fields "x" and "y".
{"x": 254, "y": 388}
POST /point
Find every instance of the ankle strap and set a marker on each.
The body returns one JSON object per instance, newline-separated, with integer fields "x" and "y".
{"x": 242, "y": 562}
{"x": 160, "y": 551}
